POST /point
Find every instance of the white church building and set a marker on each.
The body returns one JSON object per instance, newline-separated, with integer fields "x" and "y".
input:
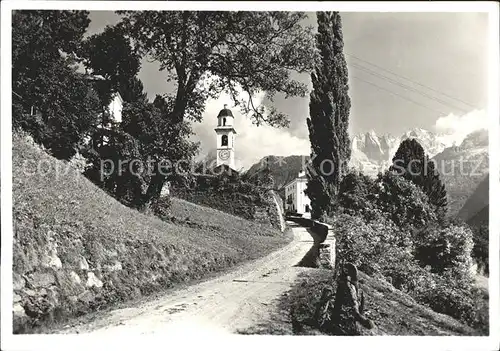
{"x": 295, "y": 198}
{"x": 115, "y": 108}
{"x": 225, "y": 133}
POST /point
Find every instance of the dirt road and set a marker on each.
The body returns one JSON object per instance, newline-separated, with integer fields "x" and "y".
{"x": 237, "y": 302}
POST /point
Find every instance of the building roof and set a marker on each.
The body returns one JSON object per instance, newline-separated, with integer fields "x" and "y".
{"x": 225, "y": 112}
{"x": 117, "y": 93}
{"x": 226, "y": 170}
{"x": 98, "y": 79}
{"x": 302, "y": 176}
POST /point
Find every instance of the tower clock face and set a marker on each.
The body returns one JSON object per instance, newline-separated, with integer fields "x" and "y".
{"x": 224, "y": 154}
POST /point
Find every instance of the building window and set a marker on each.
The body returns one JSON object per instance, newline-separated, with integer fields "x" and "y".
{"x": 224, "y": 140}
{"x": 224, "y": 121}
{"x": 307, "y": 208}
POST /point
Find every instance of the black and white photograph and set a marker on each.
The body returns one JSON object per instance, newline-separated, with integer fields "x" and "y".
{"x": 207, "y": 170}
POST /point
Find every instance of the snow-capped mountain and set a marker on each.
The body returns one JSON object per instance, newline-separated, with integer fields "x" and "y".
{"x": 372, "y": 153}
{"x": 463, "y": 164}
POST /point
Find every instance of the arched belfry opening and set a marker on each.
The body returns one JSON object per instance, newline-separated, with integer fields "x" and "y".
{"x": 224, "y": 141}
{"x": 224, "y": 121}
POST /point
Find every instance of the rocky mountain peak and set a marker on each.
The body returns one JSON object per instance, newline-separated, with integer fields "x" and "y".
{"x": 477, "y": 139}
{"x": 370, "y": 151}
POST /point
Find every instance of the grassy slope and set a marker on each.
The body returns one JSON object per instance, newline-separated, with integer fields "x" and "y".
{"x": 234, "y": 232}
{"x": 393, "y": 312}
{"x": 85, "y": 222}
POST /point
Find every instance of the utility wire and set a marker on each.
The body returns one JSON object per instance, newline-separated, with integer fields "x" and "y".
{"x": 411, "y": 80}
{"x": 399, "y": 95}
{"x": 407, "y": 87}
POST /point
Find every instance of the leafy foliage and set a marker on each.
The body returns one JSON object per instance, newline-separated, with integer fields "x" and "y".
{"x": 440, "y": 280}
{"x": 254, "y": 51}
{"x": 390, "y": 229}
{"x": 400, "y": 200}
{"x": 112, "y": 167}
{"x": 328, "y": 116}
{"x": 445, "y": 248}
{"x": 357, "y": 193}
{"x": 228, "y": 193}
{"x": 405, "y": 204}
{"x": 51, "y": 100}
{"x": 480, "y": 250}
{"x": 142, "y": 153}
{"x": 446, "y": 293}
{"x": 411, "y": 162}
{"x": 366, "y": 244}
{"x": 110, "y": 55}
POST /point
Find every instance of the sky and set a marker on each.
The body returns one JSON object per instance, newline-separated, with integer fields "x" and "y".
{"x": 406, "y": 70}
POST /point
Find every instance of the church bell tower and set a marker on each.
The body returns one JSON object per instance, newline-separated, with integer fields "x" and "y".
{"x": 225, "y": 138}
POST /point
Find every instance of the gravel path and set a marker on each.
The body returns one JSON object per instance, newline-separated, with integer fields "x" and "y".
{"x": 233, "y": 303}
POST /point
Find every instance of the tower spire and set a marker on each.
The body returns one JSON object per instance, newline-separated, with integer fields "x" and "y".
{"x": 225, "y": 134}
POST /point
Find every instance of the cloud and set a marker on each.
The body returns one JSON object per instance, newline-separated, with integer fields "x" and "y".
{"x": 456, "y": 128}
{"x": 251, "y": 142}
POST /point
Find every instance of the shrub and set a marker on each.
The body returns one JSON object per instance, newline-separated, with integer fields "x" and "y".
{"x": 446, "y": 293}
{"x": 161, "y": 207}
{"x": 481, "y": 246}
{"x": 110, "y": 166}
{"x": 432, "y": 266}
{"x": 367, "y": 244}
{"x": 411, "y": 163}
{"x": 356, "y": 193}
{"x": 226, "y": 193}
{"x": 405, "y": 204}
{"x": 445, "y": 248}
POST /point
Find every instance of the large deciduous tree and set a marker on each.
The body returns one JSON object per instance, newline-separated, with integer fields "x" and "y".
{"x": 328, "y": 116}
{"x": 411, "y": 162}
{"x": 253, "y": 51}
{"x": 111, "y": 55}
{"x": 145, "y": 147}
{"x": 51, "y": 100}
{"x": 207, "y": 53}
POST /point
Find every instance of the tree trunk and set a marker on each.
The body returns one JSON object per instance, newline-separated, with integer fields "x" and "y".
{"x": 152, "y": 193}
{"x": 177, "y": 115}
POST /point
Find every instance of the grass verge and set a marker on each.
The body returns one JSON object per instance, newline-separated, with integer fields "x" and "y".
{"x": 393, "y": 312}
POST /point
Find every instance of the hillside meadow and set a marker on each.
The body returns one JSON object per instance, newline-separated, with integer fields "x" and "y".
{"x": 76, "y": 249}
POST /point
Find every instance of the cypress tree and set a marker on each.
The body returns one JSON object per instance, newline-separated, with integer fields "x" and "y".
{"x": 411, "y": 162}
{"x": 328, "y": 116}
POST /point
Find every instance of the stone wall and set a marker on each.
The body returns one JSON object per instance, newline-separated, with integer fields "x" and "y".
{"x": 235, "y": 204}
{"x": 324, "y": 242}
{"x": 327, "y": 256}
{"x": 327, "y": 244}
{"x": 265, "y": 209}
{"x": 273, "y": 210}
{"x": 54, "y": 282}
